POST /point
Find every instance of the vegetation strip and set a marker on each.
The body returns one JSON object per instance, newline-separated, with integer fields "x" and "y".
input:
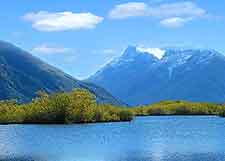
{"x": 79, "y": 106}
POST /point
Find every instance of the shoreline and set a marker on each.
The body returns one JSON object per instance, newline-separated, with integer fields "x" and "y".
{"x": 102, "y": 122}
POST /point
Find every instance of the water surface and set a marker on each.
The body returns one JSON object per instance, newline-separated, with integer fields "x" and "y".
{"x": 176, "y": 138}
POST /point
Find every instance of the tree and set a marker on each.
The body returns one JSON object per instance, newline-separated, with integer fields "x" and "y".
{"x": 81, "y": 108}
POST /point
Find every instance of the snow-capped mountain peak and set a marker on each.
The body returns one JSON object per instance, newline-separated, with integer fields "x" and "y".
{"x": 142, "y": 76}
{"x": 157, "y": 52}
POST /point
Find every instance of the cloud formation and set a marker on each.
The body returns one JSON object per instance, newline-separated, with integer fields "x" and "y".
{"x": 169, "y": 14}
{"x": 62, "y": 21}
{"x": 174, "y": 22}
{"x": 45, "y": 49}
{"x": 130, "y": 9}
{"x": 178, "y": 9}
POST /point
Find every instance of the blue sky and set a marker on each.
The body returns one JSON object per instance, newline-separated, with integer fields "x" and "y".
{"x": 80, "y": 36}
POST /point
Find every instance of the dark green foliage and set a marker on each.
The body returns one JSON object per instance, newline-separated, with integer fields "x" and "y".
{"x": 222, "y": 113}
{"x": 125, "y": 115}
{"x": 78, "y": 106}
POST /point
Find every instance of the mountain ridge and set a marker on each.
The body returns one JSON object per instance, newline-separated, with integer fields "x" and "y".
{"x": 22, "y": 75}
{"x": 185, "y": 74}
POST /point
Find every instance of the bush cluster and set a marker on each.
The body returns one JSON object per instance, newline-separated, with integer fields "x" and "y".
{"x": 78, "y": 106}
{"x": 179, "y": 108}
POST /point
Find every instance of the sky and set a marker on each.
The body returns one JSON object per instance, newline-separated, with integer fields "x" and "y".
{"x": 80, "y": 36}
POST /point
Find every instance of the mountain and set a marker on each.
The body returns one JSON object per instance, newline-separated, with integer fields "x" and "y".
{"x": 22, "y": 75}
{"x": 142, "y": 76}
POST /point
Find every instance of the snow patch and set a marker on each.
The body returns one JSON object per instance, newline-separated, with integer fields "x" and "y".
{"x": 157, "y": 52}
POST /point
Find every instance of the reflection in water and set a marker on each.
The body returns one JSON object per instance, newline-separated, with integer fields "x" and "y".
{"x": 144, "y": 139}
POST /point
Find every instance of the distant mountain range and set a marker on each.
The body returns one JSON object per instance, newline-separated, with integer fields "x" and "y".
{"x": 22, "y": 75}
{"x": 142, "y": 76}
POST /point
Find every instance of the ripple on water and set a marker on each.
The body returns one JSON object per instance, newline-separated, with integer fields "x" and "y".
{"x": 175, "y": 138}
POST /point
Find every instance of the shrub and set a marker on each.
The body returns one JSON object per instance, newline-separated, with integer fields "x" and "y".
{"x": 125, "y": 115}
{"x": 222, "y": 113}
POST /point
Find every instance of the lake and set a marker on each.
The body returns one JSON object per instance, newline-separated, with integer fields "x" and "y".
{"x": 172, "y": 138}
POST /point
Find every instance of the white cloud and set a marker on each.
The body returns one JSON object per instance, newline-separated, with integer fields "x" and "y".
{"x": 130, "y": 9}
{"x": 178, "y": 9}
{"x": 174, "y": 22}
{"x": 45, "y": 49}
{"x": 62, "y": 21}
{"x": 169, "y": 14}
